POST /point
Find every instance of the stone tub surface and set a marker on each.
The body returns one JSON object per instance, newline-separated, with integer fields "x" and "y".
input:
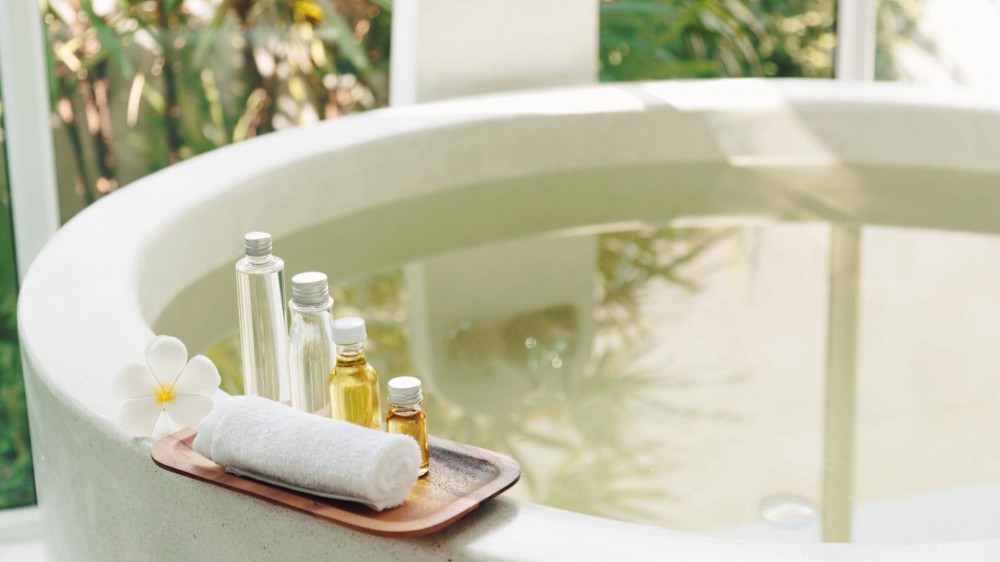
{"x": 91, "y": 298}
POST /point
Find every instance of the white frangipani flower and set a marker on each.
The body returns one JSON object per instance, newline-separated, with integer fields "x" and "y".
{"x": 166, "y": 383}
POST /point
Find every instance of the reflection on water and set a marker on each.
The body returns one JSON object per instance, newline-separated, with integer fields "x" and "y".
{"x": 658, "y": 375}
{"x": 560, "y": 393}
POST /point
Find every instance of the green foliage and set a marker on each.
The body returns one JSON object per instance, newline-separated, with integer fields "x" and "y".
{"x": 140, "y": 85}
{"x": 16, "y": 483}
{"x": 17, "y": 486}
{"x": 658, "y": 39}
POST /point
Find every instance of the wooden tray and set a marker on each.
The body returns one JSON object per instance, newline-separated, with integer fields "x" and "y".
{"x": 460, "y": 478}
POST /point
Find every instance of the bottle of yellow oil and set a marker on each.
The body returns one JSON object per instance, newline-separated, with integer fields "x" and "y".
{"x": 406, "y": 417}
{"x": 353, "y": 383}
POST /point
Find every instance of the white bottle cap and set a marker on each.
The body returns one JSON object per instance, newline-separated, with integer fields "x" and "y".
{"x": 405, "y": 391}
{"x": 349, "y": 330}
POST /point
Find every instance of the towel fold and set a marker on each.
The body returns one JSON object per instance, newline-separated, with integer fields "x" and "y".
{"x": 265, "y": 440}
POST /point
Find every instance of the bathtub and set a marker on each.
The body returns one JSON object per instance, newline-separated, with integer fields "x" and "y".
{"x": 157, "y": 258}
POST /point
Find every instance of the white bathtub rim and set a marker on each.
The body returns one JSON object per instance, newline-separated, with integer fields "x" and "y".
{"x": 40, "y": 304}
{"x": 368, "y": 128}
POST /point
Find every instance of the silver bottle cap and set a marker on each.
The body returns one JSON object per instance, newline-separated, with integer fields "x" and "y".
{"x": 257, "y": 244}
{"x": 349, "y": 330}
{"x": 405, "y": 391}
{"x": 310, "y": 289}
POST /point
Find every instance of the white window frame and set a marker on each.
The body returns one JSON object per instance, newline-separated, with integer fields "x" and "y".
{"x": 19, "y": 525}
{"x": 27, "y": 130}
{"x": 855, "y": 61}
{"x": 856, "y": 28}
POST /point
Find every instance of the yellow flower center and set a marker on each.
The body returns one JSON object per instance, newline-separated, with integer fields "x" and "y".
{"x": 165, "y": 394}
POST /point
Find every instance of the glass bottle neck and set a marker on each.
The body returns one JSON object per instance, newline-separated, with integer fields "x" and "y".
{"x": 310, "y": 310}
{"x": 409, "y": 409}
{"x": 260, "y": 260}
{"x": 351, "y": 353}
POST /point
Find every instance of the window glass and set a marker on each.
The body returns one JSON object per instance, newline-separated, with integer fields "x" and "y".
{"x": 658, "y": 39}
{"x": 17, "y": 487}
{"x": 137, "y": 86}
{"x": 939, "y": 42}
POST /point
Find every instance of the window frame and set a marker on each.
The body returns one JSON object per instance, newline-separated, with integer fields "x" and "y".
{"x": 27, "y": 130}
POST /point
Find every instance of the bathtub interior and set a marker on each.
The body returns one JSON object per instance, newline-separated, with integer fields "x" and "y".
{"x": 650, "y": 340}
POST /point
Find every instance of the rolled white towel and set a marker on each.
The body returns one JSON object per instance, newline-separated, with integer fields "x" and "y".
{"x": 268, "y": 441}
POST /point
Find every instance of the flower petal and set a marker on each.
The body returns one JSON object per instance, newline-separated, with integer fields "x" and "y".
{"x": 166, "y": 357}
{"x": 188, "y": 409}
{"x": 133, "y": 381}
{"x": 199, "y": 377}
{"x": 138, "y": 415}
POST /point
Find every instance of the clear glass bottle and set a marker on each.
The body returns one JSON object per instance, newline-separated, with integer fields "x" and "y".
{"x": 311, "y": 353}
{"x": 406, "y": 417}
{"x": 353, "y": 385}
{"x": 260, "y": 292}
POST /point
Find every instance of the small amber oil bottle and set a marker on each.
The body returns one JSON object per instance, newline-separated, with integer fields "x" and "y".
{"x": 353, "y": 383}
{"x": 406, "y": 417}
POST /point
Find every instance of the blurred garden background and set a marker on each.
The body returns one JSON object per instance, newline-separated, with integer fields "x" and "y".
{"x": 138, "y": 85}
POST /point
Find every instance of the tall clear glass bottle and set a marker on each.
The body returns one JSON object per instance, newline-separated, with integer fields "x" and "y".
{"x": 354, "y": 394}
{"x": 311, "y": 352}
{"x": 260, "y": 292}
{"x": 406, "y": 417}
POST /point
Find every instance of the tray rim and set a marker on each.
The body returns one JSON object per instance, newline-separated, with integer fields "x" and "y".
{"x": 509, "y": 473}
